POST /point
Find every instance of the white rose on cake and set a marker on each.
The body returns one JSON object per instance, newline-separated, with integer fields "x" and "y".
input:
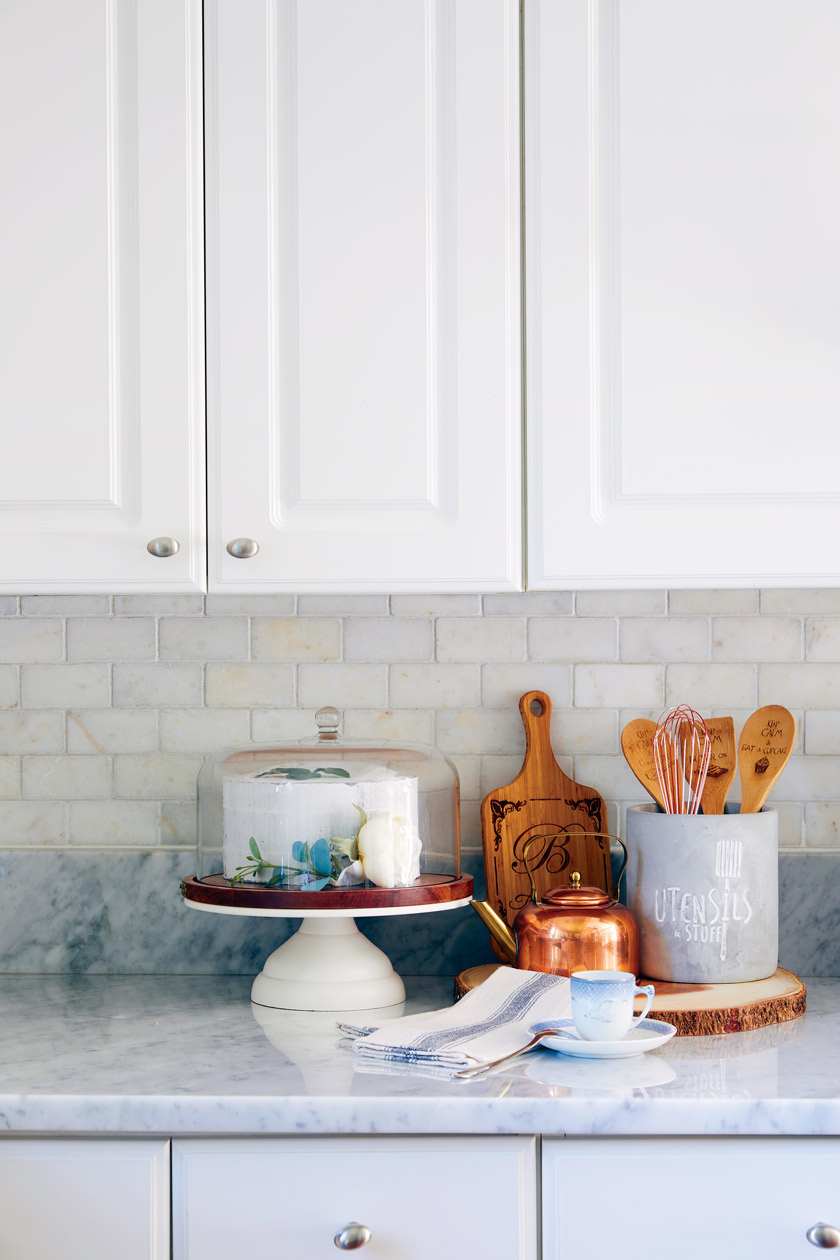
{"x": 389, "y": 851}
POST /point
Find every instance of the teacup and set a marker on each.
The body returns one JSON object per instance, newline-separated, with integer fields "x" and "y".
{"x": 602, "y": 1004}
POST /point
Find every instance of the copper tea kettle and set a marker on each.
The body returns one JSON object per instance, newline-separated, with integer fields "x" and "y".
{"x": 573, "y": 928}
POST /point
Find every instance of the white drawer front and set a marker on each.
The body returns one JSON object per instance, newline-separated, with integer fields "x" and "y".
{"x": 267, "y": 1198}
{"x": 700, "y": 1197}
{"x": 94, "y": 1199}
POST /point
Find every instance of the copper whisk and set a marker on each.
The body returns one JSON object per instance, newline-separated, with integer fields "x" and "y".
{"x": 682, "y": 747}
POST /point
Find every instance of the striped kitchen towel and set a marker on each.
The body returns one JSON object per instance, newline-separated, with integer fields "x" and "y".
{"x": 492, "y": 1020}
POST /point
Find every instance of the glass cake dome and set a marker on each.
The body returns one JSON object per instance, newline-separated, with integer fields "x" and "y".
{"x": 326, "y": 818}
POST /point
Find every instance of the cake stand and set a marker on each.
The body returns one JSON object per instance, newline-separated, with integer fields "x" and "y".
{"x": 328, "y": 964}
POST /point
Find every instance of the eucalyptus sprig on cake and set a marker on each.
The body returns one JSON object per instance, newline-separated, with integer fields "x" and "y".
{"x": 324, "y": 862}
{"x": 301, "y": 773}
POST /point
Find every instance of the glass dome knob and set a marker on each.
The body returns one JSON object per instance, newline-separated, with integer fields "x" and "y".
{"x": 327, "y": 720}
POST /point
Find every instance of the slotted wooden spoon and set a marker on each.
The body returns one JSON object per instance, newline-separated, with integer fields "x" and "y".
{"x": 722, "y": 765}
{"x": 637, "y": 746}
{"x": 763, "y": 750}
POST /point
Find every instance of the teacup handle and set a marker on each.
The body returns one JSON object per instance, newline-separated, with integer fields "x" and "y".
{"x": 648, "y": 990}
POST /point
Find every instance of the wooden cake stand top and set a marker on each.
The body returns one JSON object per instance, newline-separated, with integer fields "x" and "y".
{"x": 427, "y": 892}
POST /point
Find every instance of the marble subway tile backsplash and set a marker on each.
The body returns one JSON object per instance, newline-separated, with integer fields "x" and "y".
{"x": 109, "y": 703}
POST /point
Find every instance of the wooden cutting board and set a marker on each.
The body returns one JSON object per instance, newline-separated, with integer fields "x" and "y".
{"x": 547, "y": 811}
{"x": 702, "y": 1010}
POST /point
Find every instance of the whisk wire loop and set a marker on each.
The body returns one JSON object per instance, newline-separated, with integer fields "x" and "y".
{"x": 682, "y": 748}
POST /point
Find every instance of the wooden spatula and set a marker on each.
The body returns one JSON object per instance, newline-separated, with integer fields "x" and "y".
{"x": 637, "y": 746}
{"x": 763, "y": 750}
{"x": 722, "y": 765}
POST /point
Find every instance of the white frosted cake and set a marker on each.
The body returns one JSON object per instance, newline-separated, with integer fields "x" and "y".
{"x": 273, "y": 819}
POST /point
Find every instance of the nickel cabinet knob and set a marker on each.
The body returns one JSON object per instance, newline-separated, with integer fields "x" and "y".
{"x": 242, "y": 548}
{"x": 822, "y": 1235}
{"x": 352, "y": 1236}
{"x": 163, "y": 547}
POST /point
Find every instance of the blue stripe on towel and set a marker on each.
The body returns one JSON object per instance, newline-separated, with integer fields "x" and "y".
{"x": 514, "y": 1008}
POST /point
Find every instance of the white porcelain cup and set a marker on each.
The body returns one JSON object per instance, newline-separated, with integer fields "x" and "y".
{"x": 602, "y": 1004}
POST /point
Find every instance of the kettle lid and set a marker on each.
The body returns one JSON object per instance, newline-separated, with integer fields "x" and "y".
{"x": 577, "y": 897}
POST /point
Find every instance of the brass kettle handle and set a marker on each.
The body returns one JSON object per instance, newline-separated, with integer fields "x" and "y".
{"x": 606, "y": 835}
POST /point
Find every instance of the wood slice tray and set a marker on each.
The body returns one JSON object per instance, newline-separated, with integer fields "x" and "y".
{"x": 215, "y": 890}
{"x": 700, "y": 1010}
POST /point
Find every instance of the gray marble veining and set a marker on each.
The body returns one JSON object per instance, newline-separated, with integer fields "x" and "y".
{"x": 122, "y": 913}
{"x": 177, "y": 1055}
{"x": 85, "y": 911}
{"x": 809, "y": 914}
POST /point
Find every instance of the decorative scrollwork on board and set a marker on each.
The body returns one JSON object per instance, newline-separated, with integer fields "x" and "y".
{"x": 591, "y": 806}
{"x": 499, "y": 811}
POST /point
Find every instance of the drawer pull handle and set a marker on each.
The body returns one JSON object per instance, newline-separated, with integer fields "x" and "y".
{"x": 352, "y": 1236}
{"x": 163, "y": 547}
{"x": 822, "y": 1235}
{"x": 242, "y": 548}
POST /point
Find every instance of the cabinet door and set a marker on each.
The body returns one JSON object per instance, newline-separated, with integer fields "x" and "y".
{"x": 95, "y": 1199}
{"x": 697, "y": 1197}
{"x": 101, "y": 295}
{"x": 364, "y": 418}
{"x": 683, "y": 265}
{"x": 419, "y": 1197}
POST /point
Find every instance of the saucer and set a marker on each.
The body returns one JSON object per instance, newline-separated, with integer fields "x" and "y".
{"x": 650, "y": 1034}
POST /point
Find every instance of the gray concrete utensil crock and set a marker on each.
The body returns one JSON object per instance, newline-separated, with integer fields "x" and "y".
{"x": 704, "y": 889}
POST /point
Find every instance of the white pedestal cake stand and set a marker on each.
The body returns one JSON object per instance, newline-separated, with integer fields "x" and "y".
{"x": 328, "y": 964}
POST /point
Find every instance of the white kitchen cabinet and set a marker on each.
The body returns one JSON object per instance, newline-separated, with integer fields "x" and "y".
{"x": 101, "y": 313}
{"x": 697, "y": 1197}
{"x": 449, "y": 1197}
{"x": 88, "y": 1199}
{"x": 363, "y": 289}
{"x": 364, "y": 294}
{"x": 682, "y": 185}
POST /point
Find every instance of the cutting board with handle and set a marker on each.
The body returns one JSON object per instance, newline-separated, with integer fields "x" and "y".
{"x": 562, "y": 823}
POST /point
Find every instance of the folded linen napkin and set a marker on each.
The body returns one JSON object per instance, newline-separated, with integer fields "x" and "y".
{"x": 491, "y": 1021}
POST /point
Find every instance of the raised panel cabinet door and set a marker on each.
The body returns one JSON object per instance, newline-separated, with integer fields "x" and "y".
{"x": 363, "y": 288}
{"x": 412, "y": 1198}
{"x": 84, "y": 1199}
{"x": 732, "y": 1196}
{"x": 101, "y": 296}
{"x": 682, "y": 269}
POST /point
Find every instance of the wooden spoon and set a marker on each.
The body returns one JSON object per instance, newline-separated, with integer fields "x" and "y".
{"x": 763, "y": 750}
{"x": 722, "y": 765}
{"x": 637, "y": 746}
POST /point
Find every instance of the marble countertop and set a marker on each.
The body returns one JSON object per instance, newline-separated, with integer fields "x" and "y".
{"x": 191, "y": 1055}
